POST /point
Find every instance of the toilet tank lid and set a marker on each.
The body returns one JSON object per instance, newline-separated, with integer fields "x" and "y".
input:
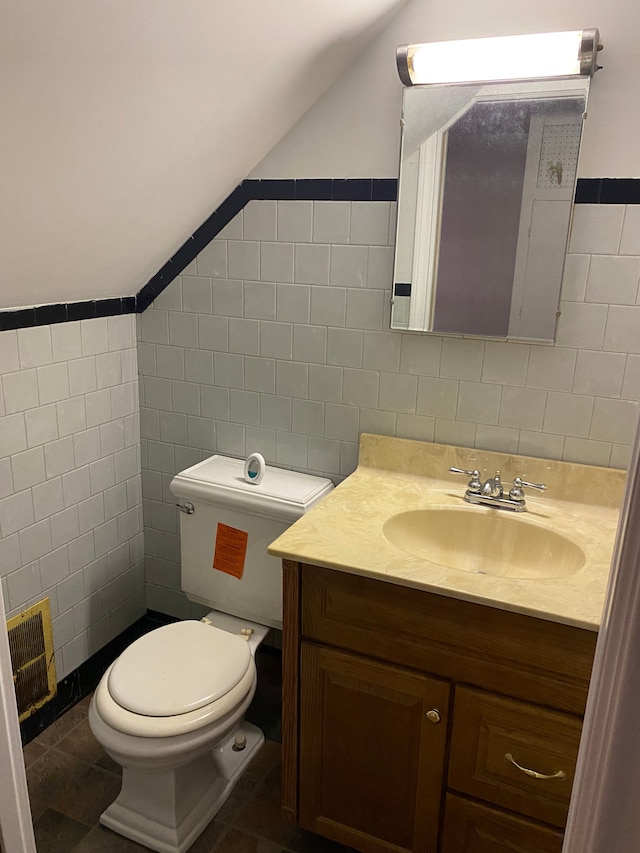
{"x": 178, "y": 668}
{"x": 282, "y": 494}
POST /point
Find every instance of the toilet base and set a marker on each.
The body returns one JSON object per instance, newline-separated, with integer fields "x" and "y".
{"x": 166, "y": 811}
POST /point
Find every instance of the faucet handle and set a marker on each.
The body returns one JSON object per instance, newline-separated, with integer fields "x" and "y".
{"x": 475, "y": 486}
{"x": 517, "y": 494}
{"x": 518, "y": 482}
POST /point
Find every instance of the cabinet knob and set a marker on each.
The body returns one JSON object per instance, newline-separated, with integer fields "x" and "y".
{"x": 433, "y": 715}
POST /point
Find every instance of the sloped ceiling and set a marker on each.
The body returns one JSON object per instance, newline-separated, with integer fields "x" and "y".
{"x": 126, "y": 123}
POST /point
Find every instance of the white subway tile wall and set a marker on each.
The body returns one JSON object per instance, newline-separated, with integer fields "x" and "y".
{"x": 292, "y": 356}
{"x": 70, "y": 485}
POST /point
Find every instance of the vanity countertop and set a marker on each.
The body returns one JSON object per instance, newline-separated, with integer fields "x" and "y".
{"x": 344, "y": 531}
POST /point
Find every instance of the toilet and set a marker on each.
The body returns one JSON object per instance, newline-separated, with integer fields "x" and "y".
{"x": 170, "y": 710}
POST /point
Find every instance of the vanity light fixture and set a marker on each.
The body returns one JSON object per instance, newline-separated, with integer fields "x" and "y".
{"x": 524, "y": 57}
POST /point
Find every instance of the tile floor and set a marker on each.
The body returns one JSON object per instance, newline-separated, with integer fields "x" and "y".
{"x": 71, "y": 781}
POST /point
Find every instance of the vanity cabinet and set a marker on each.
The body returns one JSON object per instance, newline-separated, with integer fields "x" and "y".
{"x": 407, "y": 713}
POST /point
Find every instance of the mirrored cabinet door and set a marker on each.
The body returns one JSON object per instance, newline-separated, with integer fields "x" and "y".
{"x": 487, "y": 181}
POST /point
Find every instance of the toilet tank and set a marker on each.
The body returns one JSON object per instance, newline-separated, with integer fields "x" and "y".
{"x": 223, "y": 542}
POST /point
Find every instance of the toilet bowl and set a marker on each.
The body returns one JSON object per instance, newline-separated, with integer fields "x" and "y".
{"x": 176, "y": 727}
{"x": 170, "y": 710}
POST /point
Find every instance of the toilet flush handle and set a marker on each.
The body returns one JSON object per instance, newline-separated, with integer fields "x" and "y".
{"x": 187, "y": 508}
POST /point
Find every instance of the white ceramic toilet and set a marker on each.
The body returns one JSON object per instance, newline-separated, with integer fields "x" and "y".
{"x": 170, "y": 709}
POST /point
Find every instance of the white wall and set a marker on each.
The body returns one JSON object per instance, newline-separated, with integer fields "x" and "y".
{"x": 125, "y": 124}
{"x": 353, "y": 131}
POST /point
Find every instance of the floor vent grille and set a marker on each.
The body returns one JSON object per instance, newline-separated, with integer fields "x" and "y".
{"x": 32, "y": 658}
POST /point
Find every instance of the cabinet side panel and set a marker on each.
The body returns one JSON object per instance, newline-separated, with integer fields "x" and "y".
{"x": 290, "y": 679}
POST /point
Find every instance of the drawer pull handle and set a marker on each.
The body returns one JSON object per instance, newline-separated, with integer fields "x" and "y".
{"x": 560, "y": 774}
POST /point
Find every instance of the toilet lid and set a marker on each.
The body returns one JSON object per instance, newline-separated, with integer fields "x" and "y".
{"x": 178, "y": 668}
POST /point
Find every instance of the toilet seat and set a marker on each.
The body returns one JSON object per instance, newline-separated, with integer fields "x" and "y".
{"x": 178, "y": 668}
{"x": 205, "y": 674}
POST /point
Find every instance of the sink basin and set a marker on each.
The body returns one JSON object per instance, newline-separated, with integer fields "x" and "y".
{"x": 488, "y": 542}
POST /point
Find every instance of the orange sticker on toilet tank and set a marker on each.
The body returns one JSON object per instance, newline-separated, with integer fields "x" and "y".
{"x": 231, "y": 550}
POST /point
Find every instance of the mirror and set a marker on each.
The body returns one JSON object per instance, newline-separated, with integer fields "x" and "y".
{"x": 487, "y": 181}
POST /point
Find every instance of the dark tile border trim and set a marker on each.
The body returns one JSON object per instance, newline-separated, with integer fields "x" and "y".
{"x": 588, "y": 191}
{"x": 608, "y": 191}
{"x": 401, "y": 288}
{"x": 83, "y": 680}
{"x": 232, "y": 205}
{"x": 312, "y": 189}
{"x": 44, "y": 315}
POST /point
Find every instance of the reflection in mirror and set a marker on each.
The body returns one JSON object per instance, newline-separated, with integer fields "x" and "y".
{"x": 487, "y": 180}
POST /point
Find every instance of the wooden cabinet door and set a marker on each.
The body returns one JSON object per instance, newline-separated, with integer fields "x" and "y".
{"x": 371, "y": 760}
{"x": 473, "y": 828}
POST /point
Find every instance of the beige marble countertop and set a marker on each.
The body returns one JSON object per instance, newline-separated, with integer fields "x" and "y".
{"x": 344, "y": 531}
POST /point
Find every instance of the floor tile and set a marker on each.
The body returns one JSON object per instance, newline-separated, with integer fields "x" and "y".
{"x": 107, "y": 763}
{"x": 85, "y": 798}
{"x": 235, "y": 841}
{"x": 102, "y": 840}
{"x": 53, "y": 772}
{"x": 83, "y": 704}
{"x": 62, "y": 726}
{"x": 208, "y": 840}
{"x": 262, "y": 814}
{"x": 37, "y": 808}
{"x": 267, "y": 759}
{"x": 32, "y": 752}
{"x": 81, "y": 743}
{"x": 237, "y": 799}
{"x": 57, "y": 833}
{"x": 262, "y": 817}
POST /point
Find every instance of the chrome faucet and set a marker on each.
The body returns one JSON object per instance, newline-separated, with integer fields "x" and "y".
{"x": 491, "y": 492}
{"x": 492, "y": 487}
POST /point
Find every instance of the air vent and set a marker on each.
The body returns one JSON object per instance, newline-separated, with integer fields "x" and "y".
{"x": 32, "y": 658}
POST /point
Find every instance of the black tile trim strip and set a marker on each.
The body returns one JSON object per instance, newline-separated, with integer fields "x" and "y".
{"x": 608, "y": 191}
{"x": 44, "y": 315}
{"x": 588, "y": 191}
{"x": 307, "y": 189}
{"x": 232, "y": 205}
{"x": 402, "y": 288}
{"x": 83, "y": 680}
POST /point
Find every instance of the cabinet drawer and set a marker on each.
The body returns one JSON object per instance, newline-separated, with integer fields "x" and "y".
{"x": 474, "y": 828}
{"x": 489, "y": 728}
{"x": 531, "y": 659}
